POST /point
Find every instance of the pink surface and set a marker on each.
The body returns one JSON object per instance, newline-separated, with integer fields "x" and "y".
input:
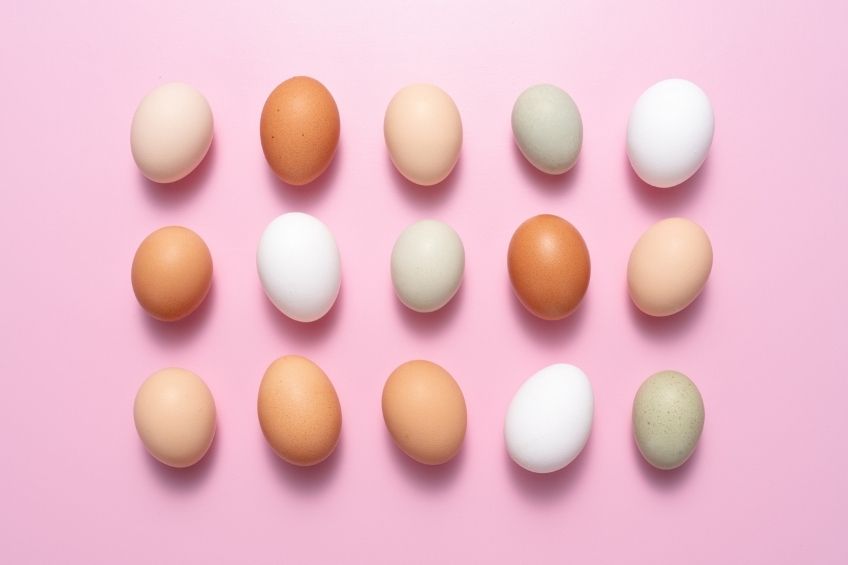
{"x": 767, "y": 483}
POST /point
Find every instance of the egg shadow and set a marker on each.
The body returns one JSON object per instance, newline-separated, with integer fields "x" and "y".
{"x": 667, "y": 201}
{"x": 295, "y": 197}
{"x": 178, "y": 333}
{"x": 424, "y": 197}
{"x": 306, "y": 480}
{"x": 302, "y": 333}
{"x": 546, "y": 488}
{"x": 552, "y": 332}
{"x": 189, "y": 478}
{"x": 175, "y": 193}
{"x": 534, "y": 176}
{"x": 426, "y": 477}
{"x": 669, "y": 328}
{"x": 658, "y": 479}
{"x": 428, "y": 323}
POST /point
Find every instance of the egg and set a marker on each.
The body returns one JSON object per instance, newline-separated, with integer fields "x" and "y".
{"x": 669, "y": 266}
{"x": 171, "y": 132}
{"x": 424, "y": 411}
{"x": 548, "y": 266}
{"x": 668, "y": 418}
{"x": 299, "y": 266}
{"x": 174, "y": 415}
{"x": 427, "y": 264}
{"x": 547, "y": 128}
{"x": 423, "y": 133}
{"x": 549, "y": 419}
{"x": 171, "y": 273}
{"x": 299, "y": 130}
{"x": 299, "y": 411}
{"x": 670, "y": 132}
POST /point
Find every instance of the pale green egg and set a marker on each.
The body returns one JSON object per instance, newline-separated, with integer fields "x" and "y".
{"x": 547, "y": 128}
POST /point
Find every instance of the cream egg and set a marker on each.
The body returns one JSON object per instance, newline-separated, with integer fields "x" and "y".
{"x": 547, "y": 128}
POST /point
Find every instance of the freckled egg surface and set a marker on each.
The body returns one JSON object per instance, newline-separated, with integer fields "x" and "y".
{"x": 299, "y": 411}
{"x": 549, "y": 267}
{"x": 171, "y": 273}
{"x": 299, "y": 130}
{"x": 547, "y": 128}
{"x": 424, "y": 411}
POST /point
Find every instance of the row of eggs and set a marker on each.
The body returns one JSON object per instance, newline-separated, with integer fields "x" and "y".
{"x": 299, "y": 267}
{"x": 669, "y": 131}
{"x": 547, "y": 423}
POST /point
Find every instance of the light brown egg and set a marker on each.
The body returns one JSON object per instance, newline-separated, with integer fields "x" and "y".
{"x": 174, "y": 415}
{"x": 171, "y": 273}
{"x": 299, "y": 129}
{"x": 669, "y": 266}
{"x": 548, "y": 266}
{"x": 299, "y": 411}
{"x": 425, "y": 413}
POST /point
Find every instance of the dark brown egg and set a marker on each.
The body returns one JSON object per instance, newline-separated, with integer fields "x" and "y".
{"x": 548, "y": 266}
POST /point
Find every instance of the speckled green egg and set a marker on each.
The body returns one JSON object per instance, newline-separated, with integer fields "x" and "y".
{"x": 547, "y": 128}
{"x": 668, "y": 417}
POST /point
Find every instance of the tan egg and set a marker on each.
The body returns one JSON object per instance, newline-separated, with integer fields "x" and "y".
{"x": 549, "y": 267}
{"x": 425, "y": 413}
{"x": 669, "y": 266}
{"x": 299, "y": 130}
{"x": 299, "y": 411}
{"x": 174, "y": 415}
{"x": 171, "y": 273}
{"x": 423, "y": 133}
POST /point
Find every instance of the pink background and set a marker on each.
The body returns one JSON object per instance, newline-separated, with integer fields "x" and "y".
{"x": 768, "y": 481}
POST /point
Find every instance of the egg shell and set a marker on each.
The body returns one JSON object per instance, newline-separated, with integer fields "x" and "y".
{"x": 299, "y": 129}
{"x": 299, "y": 411}
{"x": 548, "y": 129}
{"x": 171, "y": 273}
{"x": 669, "y": 132}
{"x": 668, "y": 418}
{"x": 669, "y": 266}
{"x": 549, "y": 419}
{"x": 427, "y": 264}
{"x": 423, "y": 133}
{"x": 171, "y": 132}
{"x": 299, "y": 266}
{"x": 174, "y": 414}
{"x": 425, "y": 412}
{"x": 549, "y": 267}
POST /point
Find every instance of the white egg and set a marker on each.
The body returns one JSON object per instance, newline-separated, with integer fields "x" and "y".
{"x": 549, "y": 419}
{"x": 299, "y": 266}
{"x": 669, "y": 132}
{"x": 428, "y": 261}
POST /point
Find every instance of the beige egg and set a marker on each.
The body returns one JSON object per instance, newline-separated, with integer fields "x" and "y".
{"x": 299, "y": 411}
{"x": 423, "y": 133}
{"x": 424, "y": 411}
{"x": 174, "y": 415}
{"x": 668, "y": 418}
{"x": 669, "y": 266}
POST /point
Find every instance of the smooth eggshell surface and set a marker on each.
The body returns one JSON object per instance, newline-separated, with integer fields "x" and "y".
{"x": 171, "y": 132}
{"x": 549, "y": 268}
{"x": 299, "y": 266}
{"x": 171, "y": 273}
{"x": 669, "y": 266}
{"x": 299, "y": 130}
{"x": 670, "y": 132}
{"x": 547, "y": 128}
{"x": 549, "y": 419}
{"x": 174, "y": 415}
{"x": 299, "y": 411}
{"x": 668, "y": 418}
{"x": 424, "y": 411}
{"x": 423, "y": 133}
{"x": 427, "y": 264}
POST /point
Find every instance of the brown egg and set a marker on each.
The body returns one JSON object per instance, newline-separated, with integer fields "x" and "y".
{"x": 299, "y": 411}
{"x": 171, "y": 273}
{"x": 425, "y": 412}
{"x": 299, "y": 130}
{"x": 548, "y": 266}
